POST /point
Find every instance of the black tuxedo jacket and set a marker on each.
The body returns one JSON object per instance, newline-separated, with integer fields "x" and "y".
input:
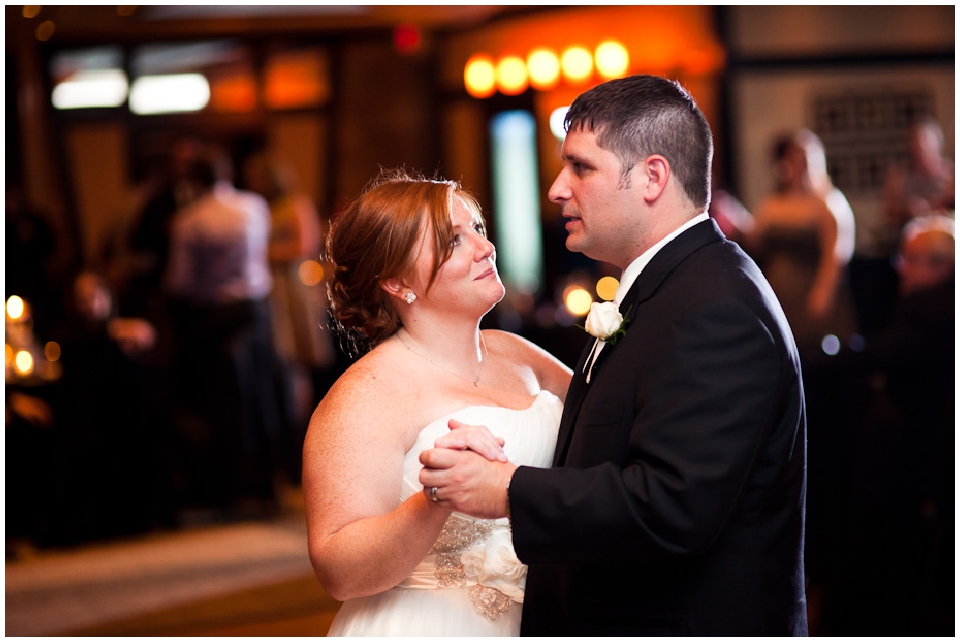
{"x": 676, "y": 501}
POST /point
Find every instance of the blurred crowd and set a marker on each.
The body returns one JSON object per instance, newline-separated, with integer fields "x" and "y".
{"x": 186, "y": 372}
{"x": 189, "y": 373}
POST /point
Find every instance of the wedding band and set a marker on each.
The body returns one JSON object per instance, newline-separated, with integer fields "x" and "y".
{"x": 433, "y": 494}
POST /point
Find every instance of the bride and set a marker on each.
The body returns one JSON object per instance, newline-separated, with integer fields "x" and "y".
{"x": 414, "y": 275}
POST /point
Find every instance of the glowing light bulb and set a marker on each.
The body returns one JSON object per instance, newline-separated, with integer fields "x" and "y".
{"x": 612, "y": 59}
{"x": 511, "y": 75}
{"x": 544, "y": 68}
{"x": 479, "y": 76}
{"x": 577, "y": 64}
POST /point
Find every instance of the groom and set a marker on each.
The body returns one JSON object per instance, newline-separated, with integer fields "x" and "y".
{"x": 676, "y": 502}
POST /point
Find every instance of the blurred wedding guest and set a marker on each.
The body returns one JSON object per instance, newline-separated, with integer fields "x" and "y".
{"x": 170, "y": 189}
{"x": 908, "y": 426}
{"x": 225, "y": 366}
{"x": 924, "y": 184}
{"x": 300, "y": 325}
{"x": 109, "y": 449}
{"x": 803, "y": 237}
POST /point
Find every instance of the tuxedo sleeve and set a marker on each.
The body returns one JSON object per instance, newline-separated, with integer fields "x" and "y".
{"x": 695, "y": 425}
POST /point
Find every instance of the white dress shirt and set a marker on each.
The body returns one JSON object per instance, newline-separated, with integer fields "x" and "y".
{"x": 630, "y": 275}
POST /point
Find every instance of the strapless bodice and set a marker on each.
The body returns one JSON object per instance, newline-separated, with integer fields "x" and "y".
{"x": 477, "y": 554}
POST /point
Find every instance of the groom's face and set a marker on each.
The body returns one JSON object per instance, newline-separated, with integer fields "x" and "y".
{"x": 599, "y": 207}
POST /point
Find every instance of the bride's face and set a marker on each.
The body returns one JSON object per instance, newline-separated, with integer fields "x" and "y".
{"x": 468, "y": 280}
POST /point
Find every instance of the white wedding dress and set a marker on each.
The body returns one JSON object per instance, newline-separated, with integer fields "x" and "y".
{"x": 471, "y": 584}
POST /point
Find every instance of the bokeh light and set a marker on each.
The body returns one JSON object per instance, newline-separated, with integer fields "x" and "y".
{"x": 557, "y": 117}
{"x": 544, "y": 68}
{"x": 92, "y": 88}
{"x": 311, "y": 272}
{"x": 612, "y": 59}
{"x": 607, "y": 288}
{"x": 52, "y": 351}
{"x": 479, "y": 77}
{"x": 511, "y": 75}
{"x": 830, "y": 345}
{"x": 577, "y": 64}
{"x": 24, "y": 362}
{"x": 15, "y": 307}
{"x": 169, "y": 93}
{"x": 45, "y": 30}
{"x": 407, "y": 38}
{"x": 577, "y": 300}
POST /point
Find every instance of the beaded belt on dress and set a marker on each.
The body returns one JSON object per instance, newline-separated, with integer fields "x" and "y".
{"x": 458, "y": 535}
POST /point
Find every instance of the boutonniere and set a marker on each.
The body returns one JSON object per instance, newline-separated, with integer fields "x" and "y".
{"x": 605, "y": 322}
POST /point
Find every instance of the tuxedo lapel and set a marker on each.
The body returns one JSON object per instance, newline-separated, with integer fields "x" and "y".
{"x": 660, "y": 266}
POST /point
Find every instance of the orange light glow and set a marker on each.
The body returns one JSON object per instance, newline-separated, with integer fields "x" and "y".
{"x": 296, "y": 79}
{"x": 702, "y": 61}
{"x": 233, "y": 94}
{"x": 511, "y": 75}
{"x": 45, "y": 30}
{"x": 23, "y": 362}
{"x": 577, "y": 64}
{"x": 577, "y": 300}
{"x": 607, "y": 288}
{"x": 311, "y": 272}
{"x": 544, "y": 68}
{"x": 479, "y": 77}
{"x": 15, "y": 307}
{"x": 51, "y": 351}
{"x": 612, "y": 59}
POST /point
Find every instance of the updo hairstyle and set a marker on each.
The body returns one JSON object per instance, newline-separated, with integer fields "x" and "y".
{"x": 377, "y": 238}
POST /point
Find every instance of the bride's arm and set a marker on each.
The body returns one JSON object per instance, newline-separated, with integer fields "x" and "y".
{"x": 360, "y": 541}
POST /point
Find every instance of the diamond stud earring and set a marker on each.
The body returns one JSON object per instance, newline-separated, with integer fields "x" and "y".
{"x": 409, "y": 297}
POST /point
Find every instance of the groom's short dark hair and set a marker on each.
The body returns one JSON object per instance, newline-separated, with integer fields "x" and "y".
{"x": 637, "y": 116}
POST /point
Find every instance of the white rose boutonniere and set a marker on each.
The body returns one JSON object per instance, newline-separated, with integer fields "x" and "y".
{"x": 605, "y": 322}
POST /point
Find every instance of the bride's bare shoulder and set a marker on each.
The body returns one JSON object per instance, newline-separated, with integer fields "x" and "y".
{"x": 382, "y": 388}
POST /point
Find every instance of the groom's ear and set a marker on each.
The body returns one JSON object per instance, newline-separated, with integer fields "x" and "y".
{"x": 656, "y": 172}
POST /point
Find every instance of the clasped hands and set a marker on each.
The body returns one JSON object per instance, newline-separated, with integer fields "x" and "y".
{"x": 467, "y": 471}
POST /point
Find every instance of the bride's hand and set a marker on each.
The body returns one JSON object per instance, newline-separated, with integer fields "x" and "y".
{"x": 479, "y": 439}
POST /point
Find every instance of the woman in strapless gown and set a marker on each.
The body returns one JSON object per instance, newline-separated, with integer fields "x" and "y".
{"x": 803, "y": 238}
{"x": 471, "y": 583}
{"x": 414, "y": 274}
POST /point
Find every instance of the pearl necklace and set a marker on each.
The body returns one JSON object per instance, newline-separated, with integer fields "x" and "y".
{"x": 475, "y": 381}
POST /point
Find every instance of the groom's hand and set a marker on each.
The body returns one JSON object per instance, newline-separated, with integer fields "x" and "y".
{"x": 466, "y": 482}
